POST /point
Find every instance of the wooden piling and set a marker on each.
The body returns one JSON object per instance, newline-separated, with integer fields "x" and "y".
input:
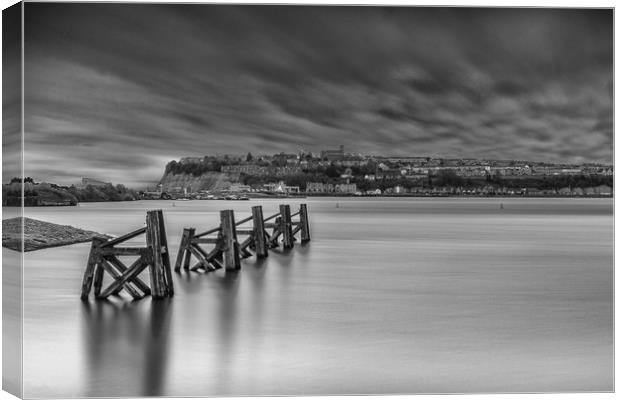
{"x": 98, "y": 278}
{"x": 183, "y": 249}
{"x": 303, "y": 223}
{"x": 286, "y": 226}
{"x": 188, "y": 253}
{"x": 230, "y": 246}
{"x": 160, "y": 284}
{"x": 103, "y": 258}
{"x": 260, "y": 242}
{"x": 91, "y": 266}
{"x": 165, "y": 254}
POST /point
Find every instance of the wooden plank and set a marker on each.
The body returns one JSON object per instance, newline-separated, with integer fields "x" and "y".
{"x": 243, "y": 247}
{"x": 131, "y": 272}
{"x": 276, "y": 233}
{"x": 135, "y": 280}
{"x": 98, "y": 279}
{"x": 205, "y": 240}
{"x": 123, "y": 238}
{"x": 122, "y": 251}
{"x": 210, "y": 231}
{"x": 216, "y": 263}
{"x": 197, "y": 266}
{"x": 206, "y": 259}
{"x": 245, "y": 232}
{"x": 259, "y": 234}
{"x": 201, "y": 259}
{"x": 207, "y": 256}
{"x": 243, "y": 221}
{"x": 200, "y": 249}
{"x": 213, "y": 253}
{"x": 182, "y": 249}
{"x": 230, "y": 248}
{"x": 303, "y": 223}
{"x": 127, "y": 285}
{"x": 188, "y": 253}
{"x": 267, "y": 235}
{"x": 272, "y": 217}
{"x": 246, "y": 243}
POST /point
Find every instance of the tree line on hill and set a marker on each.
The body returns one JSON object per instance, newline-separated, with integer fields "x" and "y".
{"x": 356, "y": 174}
{"x": 52, "y": 194}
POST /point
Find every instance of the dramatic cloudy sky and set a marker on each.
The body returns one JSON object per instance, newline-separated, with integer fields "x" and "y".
{"x": 115, "y": 91}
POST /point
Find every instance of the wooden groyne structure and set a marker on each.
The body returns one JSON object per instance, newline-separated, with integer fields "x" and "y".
{"x": 103, "y": 258}
{"x": 220, "y": 247}
{"x": 228, "y": 250}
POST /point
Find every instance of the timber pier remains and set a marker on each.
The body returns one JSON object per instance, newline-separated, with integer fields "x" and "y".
{"x": 259, "y": 236}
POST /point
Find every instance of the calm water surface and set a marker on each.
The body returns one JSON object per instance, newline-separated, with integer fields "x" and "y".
{"x": 390, "y": 296}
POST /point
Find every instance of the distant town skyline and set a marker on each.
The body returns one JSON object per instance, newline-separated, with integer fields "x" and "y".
{"x": 115, "y": 91}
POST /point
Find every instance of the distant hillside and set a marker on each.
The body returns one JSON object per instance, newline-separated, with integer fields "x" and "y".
{"x": 49, "y": 194}
{"x": 172, "y": 182}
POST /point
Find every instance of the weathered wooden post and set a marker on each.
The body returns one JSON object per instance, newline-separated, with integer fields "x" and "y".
{"x": 286, "y": 226}
{"x": 165, "y": 253}
{"x": 157, "y": 252}
{"x": 184, "y": 249}
{"x": 98, "y": 278}
{"x": 155, "y": 255}
{"x": 303, "y": 223}
{"x": 229, "y": 239}
{"x": 260, "y": 241}
{"x": 191, "y": 233}
{"x": 93, "y": 270}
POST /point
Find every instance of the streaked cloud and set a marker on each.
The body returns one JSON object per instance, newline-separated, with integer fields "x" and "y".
{"x": 113, "y": 91}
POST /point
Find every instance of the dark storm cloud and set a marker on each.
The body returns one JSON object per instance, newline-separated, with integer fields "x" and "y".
{"x": 11, "y": 99}
{"x": 117, "y": 90}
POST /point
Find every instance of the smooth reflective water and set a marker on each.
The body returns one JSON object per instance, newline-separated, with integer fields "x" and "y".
{"x": 390, "y": 296}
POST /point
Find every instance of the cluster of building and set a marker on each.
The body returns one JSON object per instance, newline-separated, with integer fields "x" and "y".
{"x": 601, "y": 190}
{"x": 259, "y": 170}
{"x": 341, "y": 168}
{"x": 385, "y": 171}
{"x": 319, "y": 187}
{"x": 409, "y": 167}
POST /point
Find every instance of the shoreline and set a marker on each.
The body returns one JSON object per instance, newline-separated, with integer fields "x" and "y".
{"x": 351, "y": 195}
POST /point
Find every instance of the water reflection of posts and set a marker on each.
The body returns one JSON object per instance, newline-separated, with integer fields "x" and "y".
{"x": 156, "y": 349}
{"x": 227, "y": 328}
{"x": 126, "y": 340}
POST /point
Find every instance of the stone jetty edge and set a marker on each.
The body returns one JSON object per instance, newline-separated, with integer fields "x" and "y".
{"x": 41, "y": 234}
